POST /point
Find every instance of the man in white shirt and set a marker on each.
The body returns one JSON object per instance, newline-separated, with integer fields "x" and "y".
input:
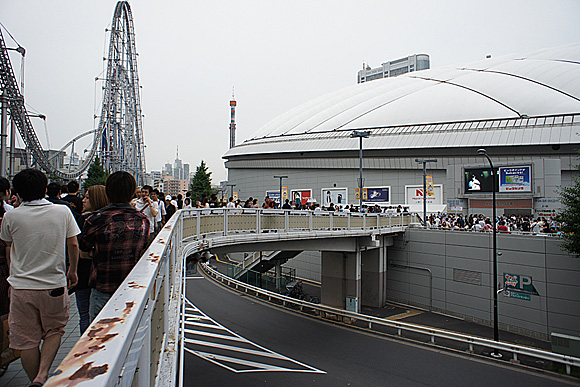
{"x": 149, "y": 208}
{"x": 161, "y": 209}
{"x": 39, "y": 302}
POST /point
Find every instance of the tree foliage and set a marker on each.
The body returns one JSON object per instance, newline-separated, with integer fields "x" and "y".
{"x": 96, "y": 174}
{"x": 570, "y": 215}
{"x": 201, "y": 183}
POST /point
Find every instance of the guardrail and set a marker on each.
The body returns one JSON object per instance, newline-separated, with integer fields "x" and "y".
{"x": 432, "y": 333}
{"x": 135, "y": 338}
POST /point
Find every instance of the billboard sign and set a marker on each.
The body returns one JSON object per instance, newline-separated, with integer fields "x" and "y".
{"x": 274, "y": 196}
{"x": 334, "y": 195}
{"x": 479, "y": 180}
{"x": 414, "y": 194}
{"x": 515, "y": 179}
{"x": 378, "y": 195}
{"x": 301, "y": 196}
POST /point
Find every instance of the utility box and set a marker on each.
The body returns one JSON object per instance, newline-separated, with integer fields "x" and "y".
{"x": 352, "y": 304}
{"x": 565, "y": 344}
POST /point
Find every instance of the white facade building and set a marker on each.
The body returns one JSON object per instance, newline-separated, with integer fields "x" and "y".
{"x": 394, "y": 68}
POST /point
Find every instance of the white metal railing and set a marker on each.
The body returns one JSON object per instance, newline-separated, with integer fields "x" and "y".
{"x": 135, "y": 338}
{"x": 432, "y": 333}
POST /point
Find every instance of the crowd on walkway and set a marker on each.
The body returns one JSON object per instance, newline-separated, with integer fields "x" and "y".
{"x": 504, "y": 223}
{"x": 268, "y": 203}
{"x": 54, "y": 243}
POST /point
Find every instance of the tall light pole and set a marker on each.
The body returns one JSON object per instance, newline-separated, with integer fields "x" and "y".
{"x": 360, "y": 134}
{"x": 232, "y": 189}
{"x": 280, "y": 177}
{"x": 483, "y": 152}
{"x": 425, "y": 161}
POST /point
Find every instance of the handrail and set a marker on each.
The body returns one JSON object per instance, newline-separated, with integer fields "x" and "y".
{"x": 433, "y": 333}
{"x": 135, "y": 338}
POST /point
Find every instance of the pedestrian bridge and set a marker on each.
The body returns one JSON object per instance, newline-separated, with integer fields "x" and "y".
{"x": 135, "y": 340}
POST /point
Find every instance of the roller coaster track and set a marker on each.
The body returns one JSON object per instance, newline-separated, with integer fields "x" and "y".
{"x": 118, "y": 140}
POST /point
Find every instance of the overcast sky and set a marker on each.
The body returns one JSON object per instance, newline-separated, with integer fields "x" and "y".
{"x": 276, "y": 54}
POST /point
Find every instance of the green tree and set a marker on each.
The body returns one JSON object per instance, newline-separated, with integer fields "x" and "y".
{"x": 570, "y": 215}
{"x": 96, "y": 174}
{"x": 201, "y": 183}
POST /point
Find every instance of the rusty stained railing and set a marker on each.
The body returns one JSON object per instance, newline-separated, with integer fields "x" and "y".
{"x": 135, "y": 338}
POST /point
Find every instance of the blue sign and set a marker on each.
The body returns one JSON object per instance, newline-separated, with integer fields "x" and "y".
{"x": 377, "y": 195}
{"x": 515, "y": 179}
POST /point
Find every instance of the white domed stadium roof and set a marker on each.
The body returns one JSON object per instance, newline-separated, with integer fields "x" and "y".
{"x": 460, "y": 105}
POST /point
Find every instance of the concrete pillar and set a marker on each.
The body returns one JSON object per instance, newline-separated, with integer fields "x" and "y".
{"x": 341, "y": 278}
{"x": 374, "y": 277}
{"x": 278, "y": 275}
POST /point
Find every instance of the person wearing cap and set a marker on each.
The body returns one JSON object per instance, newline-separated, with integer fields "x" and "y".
{"x": 170, "y": 207}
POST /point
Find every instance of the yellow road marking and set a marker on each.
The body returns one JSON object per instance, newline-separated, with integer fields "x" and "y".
{"x": 401, "y": 316}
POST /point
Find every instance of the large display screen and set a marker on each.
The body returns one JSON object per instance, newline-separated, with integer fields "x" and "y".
{"x": 479, "y": 180}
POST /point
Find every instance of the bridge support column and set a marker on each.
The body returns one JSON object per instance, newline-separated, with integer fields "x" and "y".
{"x": 341, "y": 278}
{"x": 361, "y": 274}
{"x": 374, "y": 277}
{"x": 278, "y": 275}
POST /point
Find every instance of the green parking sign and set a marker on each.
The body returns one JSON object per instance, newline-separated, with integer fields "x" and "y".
{"x": 519, "y": 286}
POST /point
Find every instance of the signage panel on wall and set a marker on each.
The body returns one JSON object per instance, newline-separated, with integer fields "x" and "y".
{"x": 515, "y": 179}
{"x": 519, "y": 286}
{"x": 302, "y": 196}
{"x": 334, "y": 195}
{"x": 414, "y": 194}
{"x": 377, "y": 195}
{"x": 274, "y": 196}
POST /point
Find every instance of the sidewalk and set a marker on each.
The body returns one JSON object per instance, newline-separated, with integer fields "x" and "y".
{"x": 15, "y": 375}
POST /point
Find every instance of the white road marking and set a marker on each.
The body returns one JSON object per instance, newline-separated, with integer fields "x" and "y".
{"x": 235, "y": 363}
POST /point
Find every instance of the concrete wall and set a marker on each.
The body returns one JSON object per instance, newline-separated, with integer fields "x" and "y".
{"x": 460, "y": 264}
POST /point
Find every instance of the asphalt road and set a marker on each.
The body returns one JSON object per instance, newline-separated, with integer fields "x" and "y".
{"x": 235, "y": 340}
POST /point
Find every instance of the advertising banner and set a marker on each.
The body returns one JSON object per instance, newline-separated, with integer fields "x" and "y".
{"x": 334, "y": 195}
{"x": 235, "y": 195}
{"x": 414, "y": 194}
{"x": 301, "y": 196}
{"x": 284, "y": 192}
{"x": 274, "y": 196}
{"x": 515, "y": 179}
{"x": 430, "y": 189}
{"x": 377, "y": 195}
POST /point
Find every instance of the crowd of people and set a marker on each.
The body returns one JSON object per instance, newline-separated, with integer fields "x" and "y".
{"x": 55, "y": 242}
{"x": 504, "y": 224}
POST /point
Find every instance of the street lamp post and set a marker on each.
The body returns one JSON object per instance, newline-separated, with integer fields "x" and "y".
{"x": 495, "y": 353}
{"x": 232, "y": 189}
{"x": 280, "y": 177}
{"x": 425, "y": 161}
{"x": 360, "y": 134}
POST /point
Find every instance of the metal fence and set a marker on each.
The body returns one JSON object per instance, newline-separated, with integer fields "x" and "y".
{"x": 135, "y": 338}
